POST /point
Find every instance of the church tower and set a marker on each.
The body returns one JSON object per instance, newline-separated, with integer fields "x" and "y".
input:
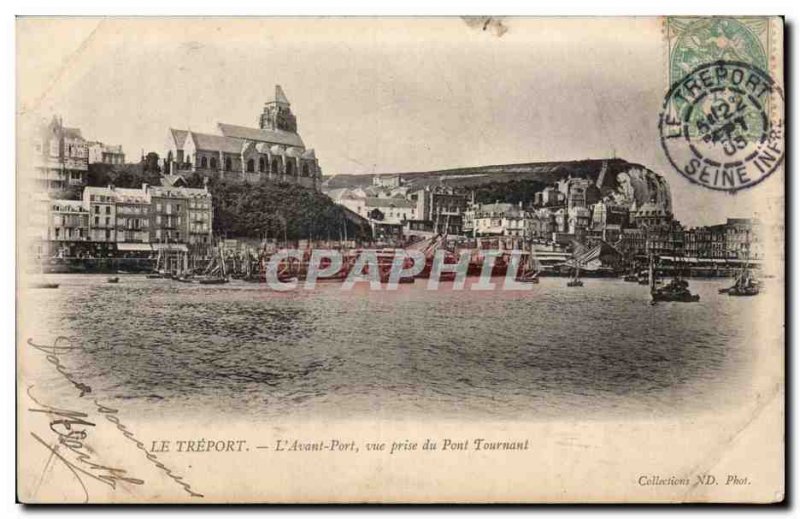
{"x": 277, "y": 115}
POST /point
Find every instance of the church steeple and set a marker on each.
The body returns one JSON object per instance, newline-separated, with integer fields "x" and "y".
{"x": 277, "y": 114}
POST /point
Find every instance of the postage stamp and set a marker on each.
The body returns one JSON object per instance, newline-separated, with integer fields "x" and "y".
{"x": 721, "y": 125}
{"x": 717, "y": 129}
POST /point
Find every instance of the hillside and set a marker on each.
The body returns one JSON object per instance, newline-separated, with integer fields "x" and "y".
{"x": 609, "y": 174}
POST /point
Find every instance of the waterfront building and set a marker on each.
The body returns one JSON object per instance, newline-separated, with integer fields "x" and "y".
{"x": 61, "y": 157}
{"x": 665, "y": 240}
{"x": 100, "y": 153}
{"x": 273, "y": 151}
{"x": 500, "y": 219}
{"x": 133, "y": 219}
{"x": 632, "y": 242}
{"x": 742, "y": 240}
{"x": 442, "y": 206}
{"x": 736, "y": 239}
{"x": 67, "y": 227}
{"x": 578, "y": 218}
{"x": 393, "y": 211}
{"x": 101, "y": 203}
{"x": 651, "y": 215}
{"x": 541, "y": 224}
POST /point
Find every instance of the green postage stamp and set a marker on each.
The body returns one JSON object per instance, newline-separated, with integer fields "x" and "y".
{"x": 722, "y": 123}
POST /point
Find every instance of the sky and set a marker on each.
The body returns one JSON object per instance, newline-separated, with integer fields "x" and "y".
{"x": 375, "y": 95}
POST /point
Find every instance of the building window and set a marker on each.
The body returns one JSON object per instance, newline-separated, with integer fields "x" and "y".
{"x": 289, "y": 168}
{"x": 108, "y": 209}
{"x": 97, "y": 220}
{"x": 305, "y": 170}
{"x": 204, "y": 163}
{"x": 251, "y": 166}
{"x": 213, "y": 162}
{"x": 97, "y": 209}
{"x": 274, "y": 167}
{"x": 227, "y": 163}
{"x": 262, "y": 165}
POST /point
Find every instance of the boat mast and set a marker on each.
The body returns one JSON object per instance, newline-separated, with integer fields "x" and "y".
{"x": 652, "y": 273}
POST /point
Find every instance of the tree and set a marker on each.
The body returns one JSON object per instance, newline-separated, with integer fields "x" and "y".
{"x": 151, "y": 163}
{"x": 278, "y": 210}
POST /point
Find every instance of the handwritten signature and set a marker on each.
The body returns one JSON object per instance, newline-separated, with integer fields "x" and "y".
{"x": 72, "y": 430}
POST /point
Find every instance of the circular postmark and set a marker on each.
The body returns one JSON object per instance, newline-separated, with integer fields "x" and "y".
{"x": 721, "y": 125}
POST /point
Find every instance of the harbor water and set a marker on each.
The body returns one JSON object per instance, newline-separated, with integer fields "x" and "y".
{"x": 160, "y": 346}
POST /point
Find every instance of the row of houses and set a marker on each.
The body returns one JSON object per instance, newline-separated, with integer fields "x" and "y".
{"x": 395, "y": 210}
{"x": 571, "y": 210}
{"x": 112, "y": 222}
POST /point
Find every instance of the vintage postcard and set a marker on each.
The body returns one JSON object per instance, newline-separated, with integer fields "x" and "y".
{"x": 400, "y": 260}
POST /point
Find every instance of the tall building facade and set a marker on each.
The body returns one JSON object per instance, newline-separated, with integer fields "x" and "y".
{"x": 272, "y": 151}
{"x": 100, "y": 153}
{"x": 61, "y": 157}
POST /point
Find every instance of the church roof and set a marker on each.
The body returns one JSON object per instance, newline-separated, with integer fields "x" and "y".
{"x": 205, "y": 141}
{"x": 280, "y": 97}
{"x": 179, "y": 136}
{"x": 256, "y": 134}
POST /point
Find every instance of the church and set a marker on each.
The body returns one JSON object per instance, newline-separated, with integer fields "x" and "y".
{"x": 273, "y": 151}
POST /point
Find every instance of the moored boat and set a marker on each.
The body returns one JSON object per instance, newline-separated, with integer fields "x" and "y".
{"x": 676, "y": 291}
{"x": 43, "y": 284}
{"x": 745, "y": 285}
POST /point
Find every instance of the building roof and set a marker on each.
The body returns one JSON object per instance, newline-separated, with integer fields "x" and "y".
{"x": 499, "y": 208}
{"x": 651, "y": 209}
{"x": 67, "y": 205}
{"x": 179, "y": 192}
{"x": 280, "y": 97}
{"x": 373, "y": 201}
{"x": 208, "y": 142}
{"x": 132, "y": 196}
{"x": 257, "y": 134}
{"x": 171, "y": 180}
{"x": 94, "y": 190}
{"x": 179, "y": 137}
{"x": 293, "y": 152}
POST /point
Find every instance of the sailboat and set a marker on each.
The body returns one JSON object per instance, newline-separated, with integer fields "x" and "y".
{"x": 631, "y": 276}
{"x": 745, "y": 285}
{"x": 160, "y": 270}
{"x": 677, "y": 290}
{"x": 575, "y": 280}
{"x": 529, "y": 273}
{"x": 215, "y": 272}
